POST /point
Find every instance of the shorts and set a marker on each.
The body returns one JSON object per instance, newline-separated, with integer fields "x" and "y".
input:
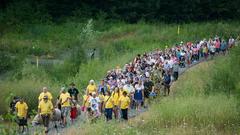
{"x": 22, "y": 121}
{"x": 65, "y": 111}
{"x": 212, "y": 53}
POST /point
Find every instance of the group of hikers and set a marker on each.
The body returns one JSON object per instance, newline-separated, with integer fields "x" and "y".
{"x": 131, "y": 87}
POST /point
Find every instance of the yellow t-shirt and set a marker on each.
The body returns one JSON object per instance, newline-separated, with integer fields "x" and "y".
{"x": 124, "y": 102}
{"x": 45, "y": 107}
{"x": 115, "y": 97}
{"x": 121, "y": 92}
{"x": 108, "y": 102}
{"x": 101, "y": 97}
{"x": 108, "y": 87}
{"x": 91, "y": 88}
{"x": 65, "y": 99}
{"x": 21, "y": 109}
{"x": 86, "y": 100}
{"x": 45, "y": 94}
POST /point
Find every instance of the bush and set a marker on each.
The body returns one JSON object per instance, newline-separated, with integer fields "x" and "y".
{"x": 22, "y": 12}
{"x": 6, "y": 62}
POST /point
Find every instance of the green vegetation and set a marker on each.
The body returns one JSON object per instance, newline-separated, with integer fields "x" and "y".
{"x": 31, "y": 11}
{"x": 116, "y": 44}
{"x": 192, "y": 108}
{"x": 201, "y": 102}
{"x": 60, "y": 35}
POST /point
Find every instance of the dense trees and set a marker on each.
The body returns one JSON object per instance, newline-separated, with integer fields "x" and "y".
{"x": 128, "y": 10}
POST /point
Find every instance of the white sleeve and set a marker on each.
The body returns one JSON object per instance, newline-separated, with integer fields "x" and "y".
{"x": 98, "y": 100}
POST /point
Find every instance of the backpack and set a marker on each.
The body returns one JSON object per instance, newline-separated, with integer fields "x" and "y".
{"x": 167, "y": 79}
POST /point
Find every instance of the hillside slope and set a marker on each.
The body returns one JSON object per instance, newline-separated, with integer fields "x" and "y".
{"x": 116, "y": 43}
{"x": 192, "y": 108}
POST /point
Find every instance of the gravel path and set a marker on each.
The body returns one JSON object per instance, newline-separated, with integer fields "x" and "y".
{"x": 82, "y": 118}
{"x": 132, "y": 113}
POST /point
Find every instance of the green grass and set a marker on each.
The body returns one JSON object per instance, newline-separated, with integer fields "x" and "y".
{"x": 117, "y": 44}
{"x": 188, "y": 110}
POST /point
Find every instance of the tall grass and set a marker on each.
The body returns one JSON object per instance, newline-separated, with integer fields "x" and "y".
{"x": 189, "y": 110}
{"x": 226, "y": 76}
{"x": 117, "y": 44}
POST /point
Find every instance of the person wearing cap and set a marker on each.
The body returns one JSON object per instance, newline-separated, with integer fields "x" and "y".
{"x": 45, "y": 109}
{"x": 65, "y": 100}
{"x": 91, "y": 87}
{"x": 21, "y": 109}
{"x": 45, "y": 92}
{"x": 73, "y": 91}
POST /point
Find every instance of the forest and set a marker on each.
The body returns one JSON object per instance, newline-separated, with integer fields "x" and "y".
{"x": 174, "y": 11}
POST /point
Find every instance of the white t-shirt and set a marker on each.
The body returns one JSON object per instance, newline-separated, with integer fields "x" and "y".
{"x": 129, "y": 88}
{"x": 94, "y": 103}
{"x": 139, "y": 87}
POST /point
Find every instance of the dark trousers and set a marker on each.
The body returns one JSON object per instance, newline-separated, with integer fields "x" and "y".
{"x": 175, "y": 75}
{"x": 124, "y": 114}
{"x": 108, "y": 113}
{"x": 45, "y": 119}
{"x": 22, "y": 121}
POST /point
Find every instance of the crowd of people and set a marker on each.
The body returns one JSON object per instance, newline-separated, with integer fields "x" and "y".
{"x": 131, "y": 87}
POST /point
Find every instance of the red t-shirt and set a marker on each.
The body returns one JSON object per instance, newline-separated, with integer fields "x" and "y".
{"x": 217, "y": 44}
{"x": 73, "y": 113}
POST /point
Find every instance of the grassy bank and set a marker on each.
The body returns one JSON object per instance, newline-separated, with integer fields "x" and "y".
{"x": 192, "y": 108}
{"x": 116, "y": 43}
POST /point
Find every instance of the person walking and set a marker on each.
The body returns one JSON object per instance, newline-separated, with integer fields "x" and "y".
{"x": 223, "y": 46}
{"x": 21, "y": 109}
{"x": 175, "y": 70}
{"x": 65, "y": 100}
{"x": 139, "y": 95}
{"x": 44, "y": 93}
{"x": 95, "y": 106}
{"x": 116, "y": 95}
{"x": 91, "y": 87}
{"x": 108, "y": 105}
{"x": 124, "y": 103}
{"x": 166, "y": 83}
{"x": 73, "y": 91}
{"x": 45, "y": 109}
{"x": 148, "y": 88}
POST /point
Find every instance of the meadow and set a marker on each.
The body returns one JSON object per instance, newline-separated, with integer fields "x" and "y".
{"x": 199, "y": 104}
{"x": 116, "y": 43}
